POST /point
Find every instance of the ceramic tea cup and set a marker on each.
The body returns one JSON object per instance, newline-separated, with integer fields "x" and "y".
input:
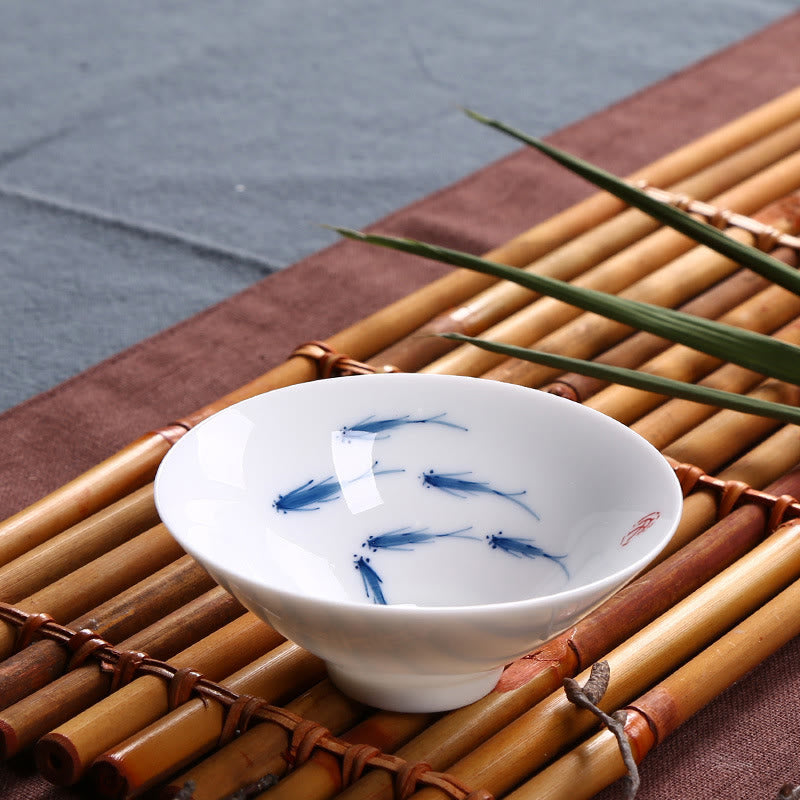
{"x": 417, "y": 532}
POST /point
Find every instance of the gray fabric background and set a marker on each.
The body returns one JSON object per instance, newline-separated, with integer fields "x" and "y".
{"x": 156, "y": 156}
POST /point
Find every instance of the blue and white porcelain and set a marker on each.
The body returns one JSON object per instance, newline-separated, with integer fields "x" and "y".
{"x": 417, "y": 532}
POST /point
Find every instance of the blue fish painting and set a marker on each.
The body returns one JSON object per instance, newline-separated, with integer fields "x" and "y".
{"x": 403, "y": 538}
{"x": 372, "y": 581}
{"x": 308, "y": 496}
{"x": 522, "y": 548}
{"x": 453, "y": 483}
{"x": 380, "y": 428}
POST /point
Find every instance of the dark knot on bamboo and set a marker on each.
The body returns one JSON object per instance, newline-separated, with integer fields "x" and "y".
{"x": 125, "y": 668}
{"x": 29, "y": 628}
{"x": 181, "y": 686}
{"x": 84, "y": 644}
{"x": 306, "y": 735}
{"x": 238, "y": 717}
{"x": 565, "y": 390}
{"x": 355, "y": 760}
{"x": 330, "y": 363}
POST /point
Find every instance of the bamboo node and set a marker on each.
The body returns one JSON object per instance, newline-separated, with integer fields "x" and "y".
{"x": 331, "y": 363}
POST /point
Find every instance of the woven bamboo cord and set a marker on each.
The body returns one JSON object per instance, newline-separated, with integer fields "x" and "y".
{"x": 585, "y": 252}
{"x": 63, "y": 755}
{"x": 135, "y": 464}
{"x": 656, "y": 714}
{"x": 585, "y": 335}
{"x": 530, "y": 679}
{"x": 519, "y": 749}
{"x": 323, "y": 775}
{"x": 194, "y": 728}
{"x": 263, "y": 748}
{"x": 24, "y": 722}
{"x": 143, "y": 604}
{"x": 760, "y": 467}
{"x": 639, "y": 348}
{"x": 98, "y": 581}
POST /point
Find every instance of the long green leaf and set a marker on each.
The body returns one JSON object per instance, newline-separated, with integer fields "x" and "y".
{"x": 762, "y": 263}
{"x": 640, "y": 380}
{"x": 753, "y": 351}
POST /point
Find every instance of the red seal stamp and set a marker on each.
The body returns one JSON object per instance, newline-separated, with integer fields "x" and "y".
{"x": 640, "y": 527}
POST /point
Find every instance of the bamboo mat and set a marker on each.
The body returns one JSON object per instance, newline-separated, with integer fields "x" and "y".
{"x": 138, "y": 592}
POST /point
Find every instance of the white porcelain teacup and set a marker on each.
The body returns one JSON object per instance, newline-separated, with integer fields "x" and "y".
{"x": 417, "y": 532}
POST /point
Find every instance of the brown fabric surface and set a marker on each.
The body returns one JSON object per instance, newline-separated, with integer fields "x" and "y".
{"x": 746, "y": 743}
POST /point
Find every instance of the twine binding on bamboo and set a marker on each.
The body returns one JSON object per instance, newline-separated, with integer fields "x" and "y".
{"x": 305, "y": 736}
{"x": 766, "y": 237}
{"x": 331, "y": 363}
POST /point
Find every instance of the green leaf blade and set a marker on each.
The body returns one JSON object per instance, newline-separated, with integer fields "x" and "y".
{"x": 640, "y": 380}
{"x": 762, "y": 263}
{"x": 754, "y": 351}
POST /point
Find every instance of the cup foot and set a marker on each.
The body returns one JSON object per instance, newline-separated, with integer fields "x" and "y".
{"x": 414, "y": 693}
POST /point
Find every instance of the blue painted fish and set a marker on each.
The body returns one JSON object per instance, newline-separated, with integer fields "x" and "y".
{"x": 522, "y": 548}
{"x": 452, "y": 483}
{"x": 403, "y": 538}
{"x": 308, "y": 496}
{"x": 372, "y": 581}
{"x": 380, "y": 427}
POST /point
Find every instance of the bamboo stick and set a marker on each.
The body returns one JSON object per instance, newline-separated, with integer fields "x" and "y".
{"x": 585, "y": 334}
{"x": 704, "y": 447}
{"x": 135, "y": 464}
{"x": 98, "y": 580}
{"x": 519, "y": 749}
{"x": 585, "y": 252}
{"x": 673, "y": 419}
{"x": 24, "y": 722}
{"x": 530, "y": 679}
{"x": 118, "y": 618}
{"x": 656, "y": 714}
{"x": 26, "y": 569}
{"x": 64, "y": 754}
{"x": 262, "y": 750}
{"x": 179, "y": 738}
